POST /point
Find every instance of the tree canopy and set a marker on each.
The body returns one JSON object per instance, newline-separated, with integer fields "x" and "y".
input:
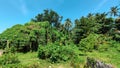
{"x": 47, "y": 28}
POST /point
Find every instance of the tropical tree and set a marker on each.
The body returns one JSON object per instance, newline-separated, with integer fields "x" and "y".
{"x": 100, "y": 17}
{"x": 49, "y": 15}
{"x": 77, "y": 32}
{"x": 117, "y": 21}
{"x": 114, "y": 11}
{"x": 105, "y": 23}
{"x": 68, "y": 25}
{"x": 90, "y": 15}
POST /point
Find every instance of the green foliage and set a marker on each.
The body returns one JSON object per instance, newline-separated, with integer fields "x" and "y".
{"x": 115, "y": 45}
{"x": 9, "y": 58}
{"x": 49, "y": 15}
{"x": 25, "y": 37}
{"x": 103, "y": 47}
{"x": 83, "y": 27}
{"x": 116, "y": 36}
{"x": 61, "y": 42}
{"x": 95, "y": 42}
{"x": 34, "y": 65}
{"x": 91, "y": 62}
{"x": 13, "y": 66}
{"x": 117, "y": 21}
{"x": 56, "y": 53}
{"x": 90, "y": 43}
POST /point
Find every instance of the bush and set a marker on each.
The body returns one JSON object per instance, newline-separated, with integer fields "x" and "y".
{"x": 95, "y": 42}
{"x": 116, "y": 37}
{"x": 116, "y": 45}
{"x": 90, "y": 43}
{"x": 103, "y": 47}
{"x": 9, "y": 58}
{"x": 58, "y": 53}
{"x": 12, "y": 49}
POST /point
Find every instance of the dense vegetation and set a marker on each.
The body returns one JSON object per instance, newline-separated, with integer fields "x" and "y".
{"x": 62, "y": 42}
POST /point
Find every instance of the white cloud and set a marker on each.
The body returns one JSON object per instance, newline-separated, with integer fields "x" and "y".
{"x": 101, "y": 4}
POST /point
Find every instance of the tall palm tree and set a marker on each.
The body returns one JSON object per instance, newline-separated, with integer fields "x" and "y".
{"x": 76, "y": 23}
{"x": 68, "y": 24}
{"x": 77, "y": 31}
{"x": 114, "y": 11}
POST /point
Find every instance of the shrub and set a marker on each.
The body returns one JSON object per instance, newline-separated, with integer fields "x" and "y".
{"x": 9, "y": 59}
{"x": 56, "y": 53}
{"x": 116, "y": 37}
{"x": 12, "y": 49}
{"x": 103, "y": 47}
{"x": 116, "y": 45}
{"x": 95, "y": 42}
{"x": 89, "y": 43}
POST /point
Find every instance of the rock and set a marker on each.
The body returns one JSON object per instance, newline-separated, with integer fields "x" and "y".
{"x": 92, "y": 63}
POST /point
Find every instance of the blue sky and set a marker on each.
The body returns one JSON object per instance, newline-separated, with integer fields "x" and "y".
{"x": 21, "y": 11}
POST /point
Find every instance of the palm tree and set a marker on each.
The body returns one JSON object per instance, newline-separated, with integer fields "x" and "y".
{"x": 90, "y": 15}
{"x": 76, "y": 31}
{"x": 100, "y": 18}
{"x": 114, "y": 11}
{"x": 68, "y": 25}
{"x": 49, "y": 15}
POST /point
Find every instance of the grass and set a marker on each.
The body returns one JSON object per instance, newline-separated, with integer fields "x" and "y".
{"x": 27, "y": 58}
{"x": 107, "y": 57}
{"x": 30, "y": 59}
{"x": 110, "y": 57}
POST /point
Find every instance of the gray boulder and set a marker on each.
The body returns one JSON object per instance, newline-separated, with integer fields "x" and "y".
{"x": 92, "y": 63}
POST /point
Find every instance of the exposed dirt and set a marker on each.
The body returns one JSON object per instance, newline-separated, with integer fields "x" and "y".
{"x": 60, "y": 67}
{"x": 1, "y": 52}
